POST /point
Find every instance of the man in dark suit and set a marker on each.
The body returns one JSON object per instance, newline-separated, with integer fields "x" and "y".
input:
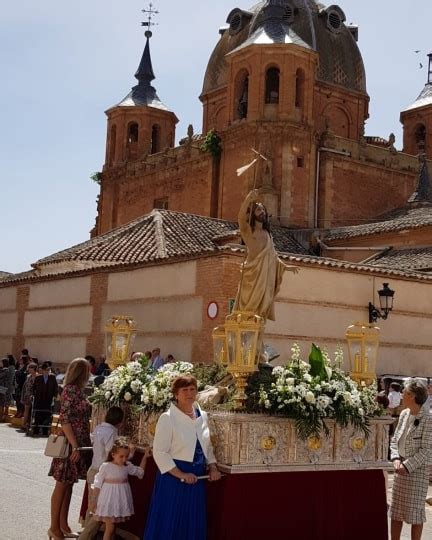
{"x": 45, "y": 389}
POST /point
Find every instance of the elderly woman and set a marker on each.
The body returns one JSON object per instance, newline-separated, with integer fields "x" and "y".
{"x": 183, "y": 452}
{"x": 411, "y": 451}
{"x": 75, "y": 411}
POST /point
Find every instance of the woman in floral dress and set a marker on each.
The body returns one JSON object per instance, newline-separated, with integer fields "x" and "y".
{"x": 75, "y": 413}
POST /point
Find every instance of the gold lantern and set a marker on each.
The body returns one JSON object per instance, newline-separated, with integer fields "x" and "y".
{"x": 120, "y": 334}
{"x": 363, "y": 343}
{"x": 243, "y": 333}
{"x": 219, "y": 345}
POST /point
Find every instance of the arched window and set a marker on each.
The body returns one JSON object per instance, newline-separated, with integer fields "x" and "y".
{"x": 299, "y": 88}
{"x": 272, "y": 85}
{"x": 420, "y": 136}
{"x": 132, "y": 140}
{"x": 112, "y": 145}
{"x": 241, "y": 95}
{"x": 133, "y": 131}
{"x": 155, "y": 139}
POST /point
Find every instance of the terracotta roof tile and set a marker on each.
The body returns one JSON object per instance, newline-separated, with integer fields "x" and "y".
{"x": 408, "y": 217}
{"x": 415, "y": 259}
{"x": 162, "y": 234}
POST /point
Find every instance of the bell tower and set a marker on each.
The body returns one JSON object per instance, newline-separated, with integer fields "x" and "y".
{"x": 140, "y": 124}
{"x": 417, "y": 120}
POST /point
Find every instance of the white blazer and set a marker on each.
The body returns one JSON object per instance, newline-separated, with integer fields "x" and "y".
{"x": 176, "y": 436}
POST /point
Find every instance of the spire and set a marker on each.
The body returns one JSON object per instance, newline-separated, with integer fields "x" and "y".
{"x": 144, "y": 94}
{"x": 144, "y": 73}
{"x": 423, "y": 192}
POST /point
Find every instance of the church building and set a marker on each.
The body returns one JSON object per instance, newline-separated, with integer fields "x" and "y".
{"x": 286, "y": 78}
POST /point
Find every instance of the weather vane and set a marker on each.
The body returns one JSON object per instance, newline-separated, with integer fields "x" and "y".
{"x": 150, "y": 13}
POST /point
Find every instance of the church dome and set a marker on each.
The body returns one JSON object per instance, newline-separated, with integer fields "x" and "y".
{"x": 308, "y": 23}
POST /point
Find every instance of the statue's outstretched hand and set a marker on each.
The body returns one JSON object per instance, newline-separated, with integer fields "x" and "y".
{"x": 252, "y": 195}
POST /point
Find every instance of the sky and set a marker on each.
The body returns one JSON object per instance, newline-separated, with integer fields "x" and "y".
{"x": 64, "y": 63}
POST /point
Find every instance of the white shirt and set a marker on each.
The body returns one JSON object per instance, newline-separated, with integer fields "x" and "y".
{"x": 176, "y": 436}
{"x": 103, "y": 439}
{"x": 394, "y": 399}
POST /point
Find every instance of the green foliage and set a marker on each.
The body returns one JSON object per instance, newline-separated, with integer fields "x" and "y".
{"x": 317, "y": 363}
{"x": 208, "y": 374}
{"x": 212, "y": 144}
{"x": 96, "y": 177}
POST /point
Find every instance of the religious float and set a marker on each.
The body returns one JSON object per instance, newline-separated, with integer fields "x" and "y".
{"x": 303, "y": 445}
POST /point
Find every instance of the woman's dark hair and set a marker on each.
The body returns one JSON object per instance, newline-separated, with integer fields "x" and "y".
{"x": 383, "y": 400}
{"x": 395, "y": 386}
{"x": 11, "y": 360}
{"x": 114, "y": 416}
{"x": 418, "y": 388}
{"x": 182, "y": 382}
{"x": 121, "y": 443}
{"x": 90, "y": 359}
{"x": 5, "y": 362}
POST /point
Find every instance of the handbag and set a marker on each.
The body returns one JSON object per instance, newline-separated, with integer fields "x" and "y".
{"x": 57, "y": 446}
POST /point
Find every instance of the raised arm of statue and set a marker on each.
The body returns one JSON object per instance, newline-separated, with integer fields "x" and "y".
{"x": 243, "y": 217}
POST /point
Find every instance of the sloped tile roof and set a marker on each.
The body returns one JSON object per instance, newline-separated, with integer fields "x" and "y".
{"x": 417, "y": 259}
{"x": 162, "y": 234}
{"x": 408, "y": 217}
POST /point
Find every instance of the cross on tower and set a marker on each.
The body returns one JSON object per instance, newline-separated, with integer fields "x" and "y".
{"x": 150, "y": 12}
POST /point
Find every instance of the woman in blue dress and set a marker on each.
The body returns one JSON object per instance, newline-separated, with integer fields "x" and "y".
{"x": 183, "y": 452}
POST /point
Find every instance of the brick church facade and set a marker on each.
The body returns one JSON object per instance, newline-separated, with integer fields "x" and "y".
{"x": 286, "y": 78}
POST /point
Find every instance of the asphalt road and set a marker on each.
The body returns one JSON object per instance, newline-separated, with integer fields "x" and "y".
{"x": 26, "y": 488}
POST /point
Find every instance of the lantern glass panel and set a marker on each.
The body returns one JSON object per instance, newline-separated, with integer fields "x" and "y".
{"x": 219, "y": 345}
{"x": 371, "y": 353}
{"x": 121, "y": 344}
{"x": 247, "y": 339}
{"x": 232, "y": 346}
{"x": 355, "y": 347}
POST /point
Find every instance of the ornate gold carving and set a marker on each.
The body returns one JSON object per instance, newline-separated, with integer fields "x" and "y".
{"x": 357, "y": 443}
{"x": 268, "y": 443}
{"x": 314, "y": 443}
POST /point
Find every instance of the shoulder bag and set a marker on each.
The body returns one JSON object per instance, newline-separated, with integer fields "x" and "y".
{"x": 57, "y": 446}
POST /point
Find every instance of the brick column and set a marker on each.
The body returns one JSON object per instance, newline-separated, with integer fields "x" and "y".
{"x": 98, "y": 296}
{"x": 22, "y": 304}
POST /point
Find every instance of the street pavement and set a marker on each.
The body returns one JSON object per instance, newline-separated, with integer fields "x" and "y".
{"x": 26, "y": 490}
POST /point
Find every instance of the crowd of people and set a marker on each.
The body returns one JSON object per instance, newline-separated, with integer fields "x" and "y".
{"x": 29, "y": 385}
{"x": 182, "y": 450}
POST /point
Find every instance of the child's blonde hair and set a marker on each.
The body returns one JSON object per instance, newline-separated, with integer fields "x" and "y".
{"x": 121, "y": 443}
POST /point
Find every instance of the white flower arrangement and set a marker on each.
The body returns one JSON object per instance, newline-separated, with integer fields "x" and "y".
{"x": 138, "y": 384}
{"x": 311, "y": 392}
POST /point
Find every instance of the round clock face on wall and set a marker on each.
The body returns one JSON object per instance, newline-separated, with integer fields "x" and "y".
{"x": 212, "y": 310}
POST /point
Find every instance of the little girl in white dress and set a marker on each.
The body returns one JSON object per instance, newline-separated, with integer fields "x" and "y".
{"x": 112, "y": 491}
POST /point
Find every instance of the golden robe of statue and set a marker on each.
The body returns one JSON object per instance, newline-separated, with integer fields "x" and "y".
{"x": 262, "y": 270}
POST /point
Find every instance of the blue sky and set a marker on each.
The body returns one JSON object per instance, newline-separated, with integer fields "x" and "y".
{"x": 64, "y": 63}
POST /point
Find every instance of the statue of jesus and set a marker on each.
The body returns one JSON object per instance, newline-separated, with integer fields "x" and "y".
{"x": 262, "y": 270}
